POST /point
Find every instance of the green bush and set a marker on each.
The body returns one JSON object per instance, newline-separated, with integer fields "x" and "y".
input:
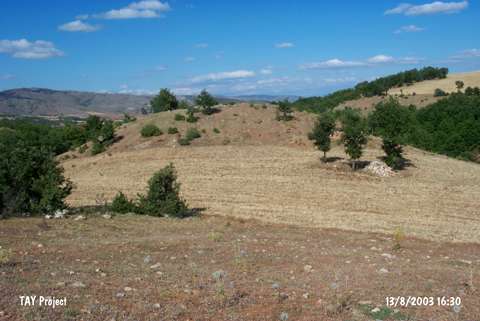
{"x": 165, "y": 100}
{"x": 150, "y": 130}
{"x": 216, "y": 131}
{"x": 192, "y": 133}
{"x": 439, "y": 93}
{"x": 172, "y": 130}
{"x": 97, "y": 148}
{"x": 121, "y": 204}
{"x": 163, "y": 197}
{"x": 183, "y": 141}
{"x": 179, "y": 117}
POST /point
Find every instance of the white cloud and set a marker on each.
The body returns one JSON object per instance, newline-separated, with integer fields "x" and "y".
{"x": 25, "y": 49}
{"x": 160, "y": 68}
{"x": 78, "y": 26}
{"x": 185, "y": 91}
{"x": 190, "y": 59}
{"x": 227, "y": 75}
{"x": 332, "y": 64}
{"x": 266, "y": 71}
{"x": 409, "y": 28}
{"x": 380, "y": 59}
{"x": 7, "y": 77}
{"x": 428, "y": 8}
{"x": 284, "y": 45}
{"x": 82, "y": 17}
{"x": 201, "y": 45}
{"x": 137, "y": 92}
{"x": 469, "y": 53}
{"x": 141, "y": 9}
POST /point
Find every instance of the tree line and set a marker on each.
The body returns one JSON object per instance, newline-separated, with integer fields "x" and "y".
{"x": 376, "y": 87}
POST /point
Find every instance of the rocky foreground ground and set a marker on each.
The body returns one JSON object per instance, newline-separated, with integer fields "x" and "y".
{"x": 213, "y": 268}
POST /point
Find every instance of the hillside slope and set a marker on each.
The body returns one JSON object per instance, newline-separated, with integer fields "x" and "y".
{"x": 471, "y": 79}
{"x": 419, "y": 94}
{"x": 257, "y": 167}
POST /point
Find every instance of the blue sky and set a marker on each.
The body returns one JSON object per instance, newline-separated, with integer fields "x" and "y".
{"x": 229, "y": 47}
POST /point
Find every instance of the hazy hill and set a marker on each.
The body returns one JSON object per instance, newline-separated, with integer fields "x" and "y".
{"x": 46, "y": 102}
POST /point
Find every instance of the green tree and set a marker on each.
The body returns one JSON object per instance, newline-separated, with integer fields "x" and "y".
{"x": 206, "y": 101}
{"x": 165, "y": 100}
{"x": 285, "y": 108}
{"x": 393, "y": 123}
{"x": 354, "y": 135}
{"x": 459, "y": 85}
{"x": 323, "y": 129}
{"x": 31, "y": 181}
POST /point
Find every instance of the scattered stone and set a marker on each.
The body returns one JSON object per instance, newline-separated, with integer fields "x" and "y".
{"x": 48, "y": 217}
{"x": 78, "y": 284}
{"x": 380, "y": 169}
{"x": 107, "y": 216}
{"x": 60, "y": 214}
{"x": 60, "y": 284}
{"x": 283, "y": 316}
{"x": 365, "y": 302}
{"x": 79, "y": 218}
{"x": 218, "y": 275}
{"x": 120, "y": 295}
{"x": 306, "y": 295}
{"x": 103, "y": 274}
{"x": 156, "y": 305}
{"x": 127, "y": 289}
{"x": 275, "y": 286}
{"x": 388, "y": 256}
{"x": 147, "y": 259}
{"x": 156, "y": 266}
{"x": 375, "y": 310}
{"x": 308, "y": 268}
{"x": 383, "y": 270}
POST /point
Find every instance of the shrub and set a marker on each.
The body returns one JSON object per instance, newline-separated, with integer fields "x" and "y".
{"x": 5, "y": 256}
{"x": 439, "y": 93}
{"x": 191, "y": 118}
{"x": 179, "y": 117}
{"x": 216, "y": 130}
{"x": 121, "y": 204}
{"x": 163, "y": 195}
{"x": 97, "y": 148}
{"x": 150, "y": 130}
{"x": 172, "y": 130}
{"x": 192, "y": 133}
{"x": 183, "y": 141}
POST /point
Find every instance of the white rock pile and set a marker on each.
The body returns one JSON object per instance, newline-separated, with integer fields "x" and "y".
{"x": 380, "y": 169}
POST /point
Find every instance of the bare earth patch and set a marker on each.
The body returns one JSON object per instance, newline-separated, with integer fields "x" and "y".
{"x": 214, "y": 268}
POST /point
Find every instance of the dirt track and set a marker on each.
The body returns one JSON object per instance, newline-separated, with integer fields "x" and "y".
{"x": 437, "y": 198}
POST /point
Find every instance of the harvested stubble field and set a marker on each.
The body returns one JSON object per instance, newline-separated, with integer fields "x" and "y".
{"x": 436, "y": 198}
{"x": 213, "y": 268}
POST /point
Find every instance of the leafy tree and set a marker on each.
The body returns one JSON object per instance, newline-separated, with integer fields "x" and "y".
{"x": 459, "y": 85}
{"x": 31, "y": 182}
{"x": 323, "y": 129}
{"x": 354, "y": 135}
{"x": 393, "y": 123}
{"x": 165, "y": 100}
{"x": 183, "y": 104}
{"x": 285, "y": 108}
{"x": 206, "y": 101}
{"x": 191, "y": 118}
{"x": 121, "y": 204}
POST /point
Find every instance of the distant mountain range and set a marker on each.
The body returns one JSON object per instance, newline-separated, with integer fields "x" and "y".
{"x": 47, "y": 102}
